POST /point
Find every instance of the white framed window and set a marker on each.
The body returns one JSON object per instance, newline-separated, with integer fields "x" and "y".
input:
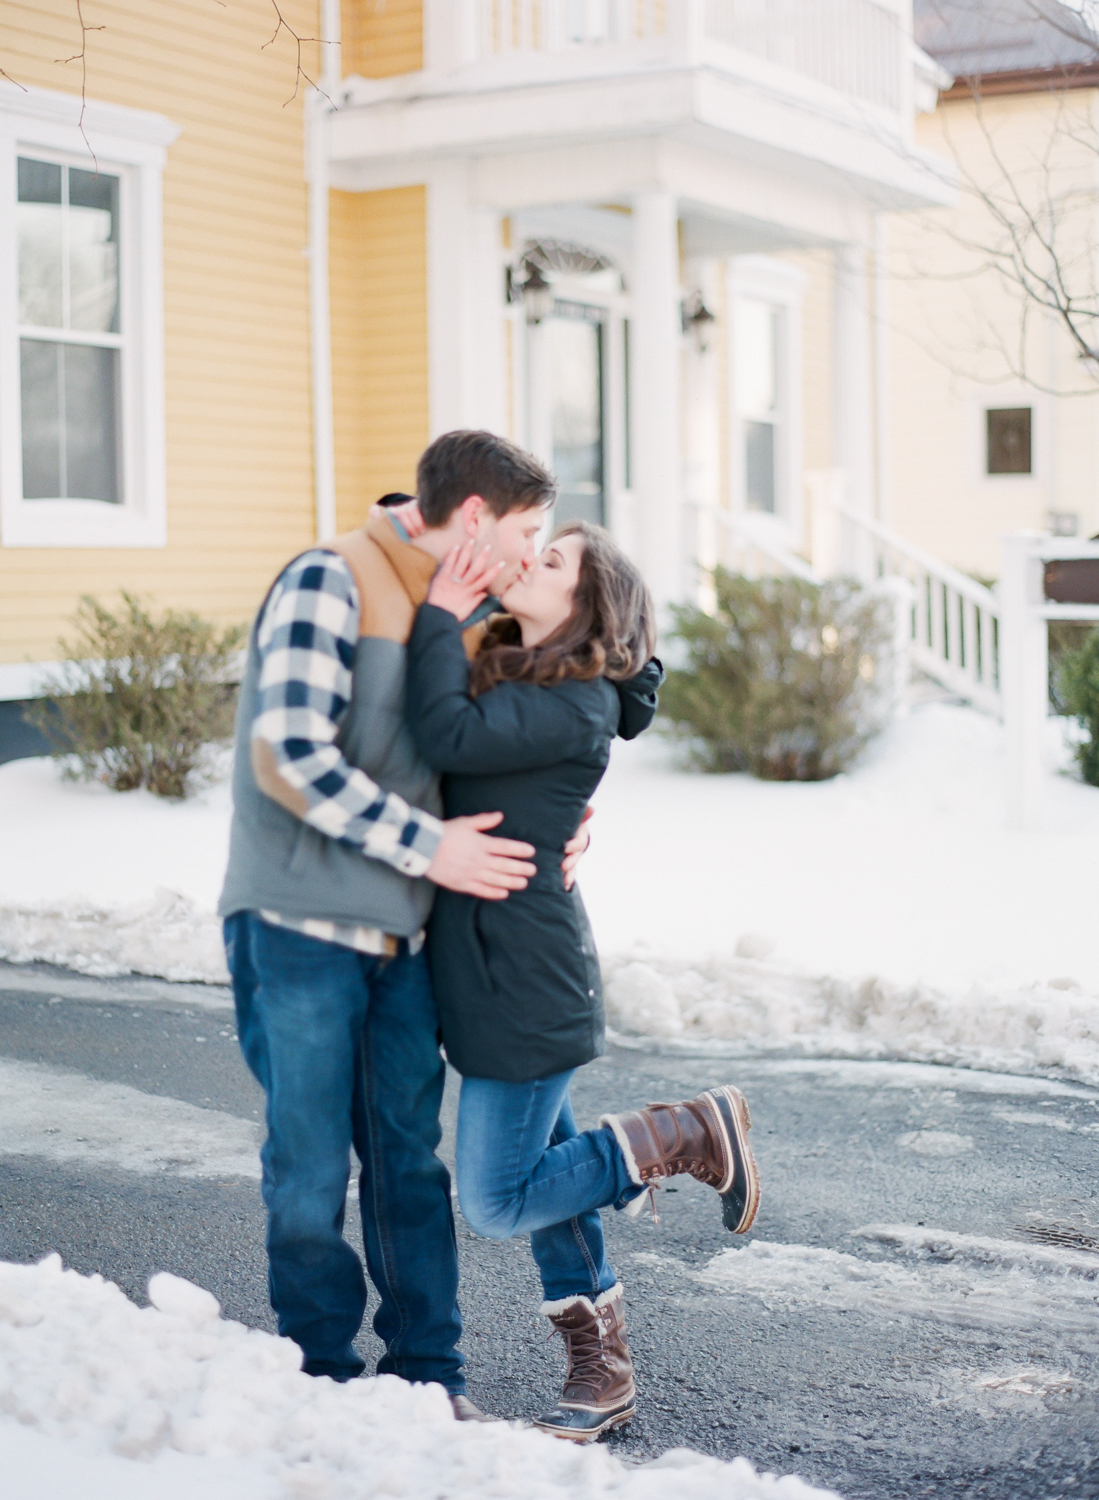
{"x": 81, "y": 324}
{"x": 1008, "y": 433}
{"x": 765, "y": 448}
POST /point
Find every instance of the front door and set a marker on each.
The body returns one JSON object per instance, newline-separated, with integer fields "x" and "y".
{"x": 573, "y": 353}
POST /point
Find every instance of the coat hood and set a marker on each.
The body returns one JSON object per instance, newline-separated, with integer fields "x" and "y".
{"x": 637, "y": 697}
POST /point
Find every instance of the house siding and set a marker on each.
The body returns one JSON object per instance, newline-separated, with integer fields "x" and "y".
{"x": 378, "y": 264}
{"x": 382, "y": 37}
{"x": 958, "y": 327}
{"x": 239, "y": 446}
{"x": 378, "y": 281}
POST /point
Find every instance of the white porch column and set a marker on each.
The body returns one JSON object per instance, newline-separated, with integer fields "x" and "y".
{"x": 655, "y": 334}
{"x": 852, "y": 425}
{"x": 465, "y": 306}
{"x": 701, "y": 434}
{"x": 1024, "y": 675}
{"x": 320, "y": 318}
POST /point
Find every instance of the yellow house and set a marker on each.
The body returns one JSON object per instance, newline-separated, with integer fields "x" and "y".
{"x": 994, "y": 415}
{"x": 261, "y": 253}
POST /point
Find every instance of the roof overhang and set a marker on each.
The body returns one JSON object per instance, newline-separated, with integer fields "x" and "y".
{"x": 695, "y": 130}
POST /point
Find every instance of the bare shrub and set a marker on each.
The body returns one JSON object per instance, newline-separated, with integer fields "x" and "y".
{"x": 139, "y": 700}
{"x": 785, "y": 678}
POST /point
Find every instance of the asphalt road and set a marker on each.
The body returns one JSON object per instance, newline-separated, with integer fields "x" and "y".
{"x": 950, "y": 1353}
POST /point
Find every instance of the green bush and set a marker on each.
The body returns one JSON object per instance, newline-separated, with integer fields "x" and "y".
{"x": 785, "y": 679}
{"x": 1077, "y": 689}
{"x": 1065, "y": 638}
{"x": 138, "y": 699}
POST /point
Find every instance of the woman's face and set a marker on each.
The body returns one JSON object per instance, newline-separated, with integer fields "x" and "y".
{"x": 541, "y": 598}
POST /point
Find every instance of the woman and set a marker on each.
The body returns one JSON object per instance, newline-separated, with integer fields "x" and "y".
{"x": 526, "y": 729}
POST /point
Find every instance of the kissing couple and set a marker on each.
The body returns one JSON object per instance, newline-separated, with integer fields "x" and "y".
{"x": 427, "y": 706}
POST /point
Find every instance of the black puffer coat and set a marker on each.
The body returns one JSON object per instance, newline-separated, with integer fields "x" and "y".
{"x": 517, "y": 981}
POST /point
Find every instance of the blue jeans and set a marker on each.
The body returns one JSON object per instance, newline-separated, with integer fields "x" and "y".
{"x": 524, "y": 1168}
{"x": 346, "y": 1049}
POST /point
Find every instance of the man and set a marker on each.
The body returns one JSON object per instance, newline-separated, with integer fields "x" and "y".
{"x": 336, "y": 844}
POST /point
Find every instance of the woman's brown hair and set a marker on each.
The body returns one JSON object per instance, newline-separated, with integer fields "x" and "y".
{"x": 610, "y": 632}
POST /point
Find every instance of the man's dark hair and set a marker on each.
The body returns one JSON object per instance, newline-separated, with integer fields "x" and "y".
{"x": 460, "y": 464}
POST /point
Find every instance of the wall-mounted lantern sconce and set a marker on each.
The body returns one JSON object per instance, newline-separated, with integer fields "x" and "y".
{"x": 537, "y": 294}
{"x": 699, "y": 321}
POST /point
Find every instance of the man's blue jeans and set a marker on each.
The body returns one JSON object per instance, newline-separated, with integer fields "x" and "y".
{"x": 524, "y": 1168}
{"x": 346, "y": 1049}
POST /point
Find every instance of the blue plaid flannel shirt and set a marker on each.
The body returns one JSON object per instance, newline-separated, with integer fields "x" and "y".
{"x": 306, "y": 639}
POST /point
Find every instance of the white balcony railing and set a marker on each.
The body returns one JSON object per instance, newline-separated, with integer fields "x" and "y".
{"x": 852, "y": 46}
{"x": 554, "y": 25}
{"x": 856, "y": 47}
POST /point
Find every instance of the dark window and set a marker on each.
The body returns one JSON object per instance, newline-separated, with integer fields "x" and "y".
{"x": 1008, "y": 440}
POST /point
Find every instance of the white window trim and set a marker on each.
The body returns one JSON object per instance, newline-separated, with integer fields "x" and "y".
{"x": 133, "y": 143}
{"x": 764, "y": 279}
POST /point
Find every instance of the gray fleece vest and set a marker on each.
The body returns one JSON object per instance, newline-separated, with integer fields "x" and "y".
{"x": 279, "y": 863}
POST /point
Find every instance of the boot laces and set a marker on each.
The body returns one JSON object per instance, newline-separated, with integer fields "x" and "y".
{"x": 586, "y": 1353}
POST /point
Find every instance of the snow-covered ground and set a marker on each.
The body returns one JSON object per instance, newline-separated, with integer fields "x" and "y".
{"x": 104, "y": 1400}
{"x": 890, "y": 912}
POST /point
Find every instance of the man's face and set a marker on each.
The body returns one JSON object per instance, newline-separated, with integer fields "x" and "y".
{"x": 513, "y": 539}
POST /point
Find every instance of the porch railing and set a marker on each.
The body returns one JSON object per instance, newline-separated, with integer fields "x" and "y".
{"x": 554, "y": 25}
{"x": 955, "y": 621}
{"x": 852, "y": 46}
{"x": 857, "y": 47}
{"x": 739, "y": 543}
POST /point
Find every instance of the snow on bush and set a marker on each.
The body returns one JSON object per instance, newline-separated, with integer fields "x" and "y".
{"x": 756, "y": 1007}
{"x": 88, "y": 1369}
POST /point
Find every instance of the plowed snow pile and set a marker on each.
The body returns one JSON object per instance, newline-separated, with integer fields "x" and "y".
{"x": 173, "y": 1401}
{"x": 888, "y": 913}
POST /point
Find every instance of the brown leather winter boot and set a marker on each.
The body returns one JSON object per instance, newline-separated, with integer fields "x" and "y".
{"x": 599, "y": 1391}
{"x": 706, "y": 1137}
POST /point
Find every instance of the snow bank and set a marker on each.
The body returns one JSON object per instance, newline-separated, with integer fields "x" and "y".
{"x": 756, "y": 1008}
{"x": 887, "y": 913}
{"x": 969, "y": 1281}
{"x": 173, "y": 1392}
{"x": 110, "y": 883}
{"x": 168, "y": 936}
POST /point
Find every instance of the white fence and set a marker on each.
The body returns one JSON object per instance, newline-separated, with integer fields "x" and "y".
{"x": 990, "y": 648}
{"x": 1026, "y": 613}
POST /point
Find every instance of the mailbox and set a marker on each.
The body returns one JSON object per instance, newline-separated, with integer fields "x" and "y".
{"x": 1072, "y": 580}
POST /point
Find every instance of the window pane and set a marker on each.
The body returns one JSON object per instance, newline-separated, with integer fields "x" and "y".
{"x": 70, "y": 421}
{"x": 93, "y": 251}
{"x": 91, "y": 422}
{"x": 576, "y": 413}
{"x": 755, "y": 342}
{"x": 39, "y": 181}
{"x": 1008, "y": 433}
{"x": 38, "y": 216}
{"x": 759, "y": 465}
{"x": 40, "y": 374}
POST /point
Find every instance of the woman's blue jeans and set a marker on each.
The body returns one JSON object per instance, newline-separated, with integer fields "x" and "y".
{"x": 524, "y": 1168}
{"x": 346, "y": 1048}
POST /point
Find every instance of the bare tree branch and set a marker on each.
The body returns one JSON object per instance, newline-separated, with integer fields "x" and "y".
{"x": 82, "y": 58}
{"x": 282, "y": 25}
